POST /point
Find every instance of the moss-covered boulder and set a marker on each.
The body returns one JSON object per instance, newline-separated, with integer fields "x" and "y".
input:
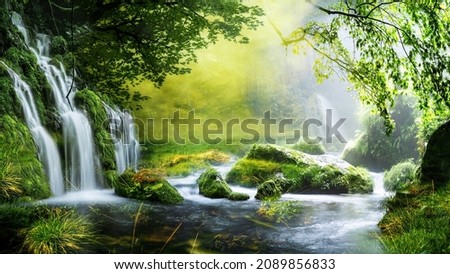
{"x": 237, "y": 196}
{"x": 272, "y": 190}
{"x": 435, "y": 165}
{"x": 212, "y": 185}
{"x": 146, "y": 185}
{"x": 310, "y": 148}
{"x": 297, "y": 172}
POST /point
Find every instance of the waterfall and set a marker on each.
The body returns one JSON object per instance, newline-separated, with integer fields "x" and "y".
{"x": 80, "y": 159}
{"x": 126, "y": 145}
{"x": 47, "y": 149}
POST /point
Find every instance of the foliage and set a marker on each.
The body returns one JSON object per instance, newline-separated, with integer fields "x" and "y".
{"x": 147, "y": 185}
{"x": 118, "y": 44}
{"x": 212, "y": 185}
{"x": 61, "y": 233}
{"x": 417, "y": 221}
{"x": 313, "y": 149}
{"x": 280, "y": 211}
{"x": 399, "y": 176}
{"x": 374, "y": 149}
{"x": 399, "y": 46}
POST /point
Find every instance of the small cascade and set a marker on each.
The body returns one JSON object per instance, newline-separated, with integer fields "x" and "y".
{"x": 47, "y": 149}
{"x": 126, "y": 145}
{"x": 80, "y": 160}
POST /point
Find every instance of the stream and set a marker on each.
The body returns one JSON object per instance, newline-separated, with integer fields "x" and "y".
{"x": 325, "y": 223}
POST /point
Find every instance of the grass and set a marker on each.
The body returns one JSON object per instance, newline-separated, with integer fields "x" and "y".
{"x": 250, "y": 172}
{"x": 417, "y": 221}
{"x": 182, "y": 160}
{"x": 63, "y": 232}
{"x": 279, "y": 211}
{"x": 313, "y": 149}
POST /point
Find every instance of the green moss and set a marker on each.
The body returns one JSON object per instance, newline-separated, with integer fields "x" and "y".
{"x": 237, "y": 196}
{"x": 313, "y": 149}
{"x": 212, "y": 185}
{"x": 91, "y": 102}
{"x": 251, "y": 173}
{"x": 58, "y": 46}
{"x": 304, "y": 176}
{"x": 21, "y": 172}
{"x": 147, "y": 185}
{"x": 272, "y": 190}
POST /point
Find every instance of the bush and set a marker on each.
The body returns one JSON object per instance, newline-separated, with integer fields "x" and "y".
{"x": 399, "y": 176}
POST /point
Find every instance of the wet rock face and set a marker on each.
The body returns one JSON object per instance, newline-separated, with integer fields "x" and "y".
{"x": 436, "y": 161}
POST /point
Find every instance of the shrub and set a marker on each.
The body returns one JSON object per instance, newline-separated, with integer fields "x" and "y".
{"x": 399, "y": 176}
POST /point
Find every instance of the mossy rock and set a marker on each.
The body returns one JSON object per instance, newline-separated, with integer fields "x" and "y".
{"x": 272, "y": 190}
{"x": 312, "y": 149}
{"x": 435, "y": 165}
{"x": 212, "y": 185}
{"x": 251, "y": 173}
{"x": 278, "y": 154}
{"x": 237, "y": 196}
{"x": 146, "y": 185}
{"x": 305, "y": 173}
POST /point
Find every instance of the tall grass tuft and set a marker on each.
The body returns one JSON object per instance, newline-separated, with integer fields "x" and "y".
{"x": 62, "y": 232}
{"x": 10, "y": 183}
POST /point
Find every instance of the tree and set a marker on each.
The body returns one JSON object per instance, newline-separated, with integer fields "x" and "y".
{"x": 396, "y": 47}
{"x": 118, "y": 44}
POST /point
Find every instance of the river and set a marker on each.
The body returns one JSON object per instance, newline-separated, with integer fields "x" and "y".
{"x": 325, "y": 223}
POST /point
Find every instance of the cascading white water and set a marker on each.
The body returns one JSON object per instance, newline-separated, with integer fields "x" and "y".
{"x": 48, "y": 152}
{"x": 124, "y": 137}
{"x": 79, "y": 149}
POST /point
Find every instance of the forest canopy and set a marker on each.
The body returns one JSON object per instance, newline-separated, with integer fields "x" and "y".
{"x": 117, "y": 44}
{"x": 385, "y": 48}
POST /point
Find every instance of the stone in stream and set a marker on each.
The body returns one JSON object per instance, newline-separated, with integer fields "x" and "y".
{"x": 146, "y": 185}
{"x": 276, "y": 170}
{"x": 212, "y": 185}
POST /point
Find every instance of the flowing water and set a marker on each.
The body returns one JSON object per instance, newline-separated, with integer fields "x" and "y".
{"x": 82, "y": 169}
{"x": 325, "y": 223}
{"x": 47, "y": 149}
{"x": 124, "y": 137}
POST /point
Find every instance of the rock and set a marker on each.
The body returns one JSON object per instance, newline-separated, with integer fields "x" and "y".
{"x": 312, "y": 149}
{"x": 435, "y": 165}
{"x": 276, "y": 170}
{"x": 212, "y": 185}
{"x": 272, "y": 189}
{"x": 146, "y": 185}
{"x": 237, "y": 196}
